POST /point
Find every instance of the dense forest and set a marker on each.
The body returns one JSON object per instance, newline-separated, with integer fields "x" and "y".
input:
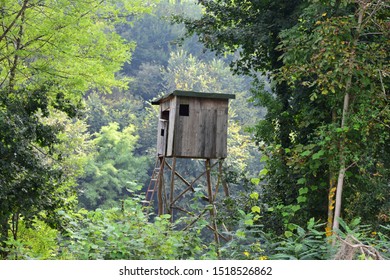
{"x": 308, "y": 165}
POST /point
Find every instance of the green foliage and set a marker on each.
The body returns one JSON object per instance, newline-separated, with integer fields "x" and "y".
{"x": 28, "y": 180}
{"x": 113, "y": 171}
{"x": 248, "y": 237}
{"x": 314, "y": 52}
{"x": 303, "y": 244}
{"x": 53, "y": 45}
{"x": 187, "y": 72}
{"x": 40, "y": 241}
{"x": 127, "y": 234}
{"x": 328, "y": 54}
{"x": 252, "y": 240}
{"x": 119, "y": 107}
{"x": 311, "y": 242}
{"x": 50, "y": 54}
{"x": 355, "y": 235}
{"x": 249, "y": 27}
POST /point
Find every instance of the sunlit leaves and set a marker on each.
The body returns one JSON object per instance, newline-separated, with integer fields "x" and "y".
{"x": 72, "y": 43}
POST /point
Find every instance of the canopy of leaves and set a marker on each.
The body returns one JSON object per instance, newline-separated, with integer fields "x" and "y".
{"x": 111, "y": 174}
{"x": 311, "y": 49}
{"x": 51, "y": 52}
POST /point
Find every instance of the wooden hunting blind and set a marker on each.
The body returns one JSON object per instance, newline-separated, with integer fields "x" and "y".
{"x": 193, "y": 124}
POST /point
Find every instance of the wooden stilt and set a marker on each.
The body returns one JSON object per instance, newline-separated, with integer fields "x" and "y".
{"x": 160, "y": 190}
{"x": 167, "y": 200}
{"x": 196, "y": 219}
{"x": 172, "y": 188}
{"x": 211, "y": 202}
{"x": 190, "y": 186}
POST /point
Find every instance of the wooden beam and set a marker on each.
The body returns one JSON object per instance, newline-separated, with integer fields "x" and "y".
{"x": 197, "y": 218}
{"x": 160, "y": 188}
{"x": 211, "y": 201}
{"x": 190, "y": 186}
{"x": 178, "y": 175}
{"x": 172, "y": 189}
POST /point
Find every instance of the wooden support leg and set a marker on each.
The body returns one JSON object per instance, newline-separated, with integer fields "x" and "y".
{"x": 172, "y": 190}
{"x": 161, "y": 188}
{"x": 211, "y": 202}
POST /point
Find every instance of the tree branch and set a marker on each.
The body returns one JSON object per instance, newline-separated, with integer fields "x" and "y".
{"x": 7, "y": 29}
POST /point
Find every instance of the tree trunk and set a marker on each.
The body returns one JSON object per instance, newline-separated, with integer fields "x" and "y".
{"x": 342, "y": 161}
{"x": 331, "y": 203}
{"x": 340, "y": 180}
{"x": 4, "y": 229}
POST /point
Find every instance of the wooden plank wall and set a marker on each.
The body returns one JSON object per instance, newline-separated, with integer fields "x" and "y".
{"x": 164, "y": 123}
{"x": 202, "y": 134}
{"x": 162, "y": 139}
{"x": 171, "y": 126}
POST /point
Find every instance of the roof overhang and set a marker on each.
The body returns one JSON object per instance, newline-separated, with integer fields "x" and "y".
{"x": 184, "y": 93}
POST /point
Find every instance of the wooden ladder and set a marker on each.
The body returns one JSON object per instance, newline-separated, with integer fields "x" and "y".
{"x": 154, "y": 181}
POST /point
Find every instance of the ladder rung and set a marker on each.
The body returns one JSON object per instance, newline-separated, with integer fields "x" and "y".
{"x": 150, "y": 191}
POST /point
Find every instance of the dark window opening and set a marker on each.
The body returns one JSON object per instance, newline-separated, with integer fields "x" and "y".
{"x": 162, "y": 132}
{"x": 184, "y": 110}
{"x": 165, "y": 115}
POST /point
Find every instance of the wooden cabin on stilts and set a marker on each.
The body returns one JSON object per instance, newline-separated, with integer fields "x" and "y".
{"x": 192, "y": 126}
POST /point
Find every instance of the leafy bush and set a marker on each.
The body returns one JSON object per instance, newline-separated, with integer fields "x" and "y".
{"x": 127, "y": 234}
{"x": 36, "y": 241}
{"x": 303, "y": 244}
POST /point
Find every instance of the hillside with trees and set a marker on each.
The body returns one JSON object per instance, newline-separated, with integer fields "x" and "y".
{"x": 308, "y": 162}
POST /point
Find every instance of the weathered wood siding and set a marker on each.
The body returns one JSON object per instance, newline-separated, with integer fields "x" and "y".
{"x": 171, "y": 128}
{"x": 162, "y": 136}
{"x": 166, "y": 118}
{"x": 201, "y": 134}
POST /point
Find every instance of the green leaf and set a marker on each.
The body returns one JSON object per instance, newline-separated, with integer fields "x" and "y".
{"x": 248, "y": 222}
{"x": 240, "y": 234}
{"x": 355, "y": 222}
{"x": 301, "y": 231}
{"x": 255, "y": 209}
{"x": 242, "y": 213}
{"x": 301, "y": 181}
{"x": 285, "y": 214}
{"x": 165, "y": 216}
{"x": 264, "y": 158}
{"x": 263, "y": 172}
{"x": 254, "y": 195}
{"x": 310, "y": 223}
{"x": 298, "y": 248}
{"x": 291, "y": 226}
{"x": 255, "y": 181}
{"x": 288, "y": 233}
{"x": 303, "y": 191}
{"x": 295, "y": 208}
{"x": 301, "y": 199}
{"x": 318, "y": 155}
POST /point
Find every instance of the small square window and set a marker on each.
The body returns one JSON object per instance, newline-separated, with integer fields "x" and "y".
{"x": 184, "y": 110}
{"x": 162, "y": 132}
